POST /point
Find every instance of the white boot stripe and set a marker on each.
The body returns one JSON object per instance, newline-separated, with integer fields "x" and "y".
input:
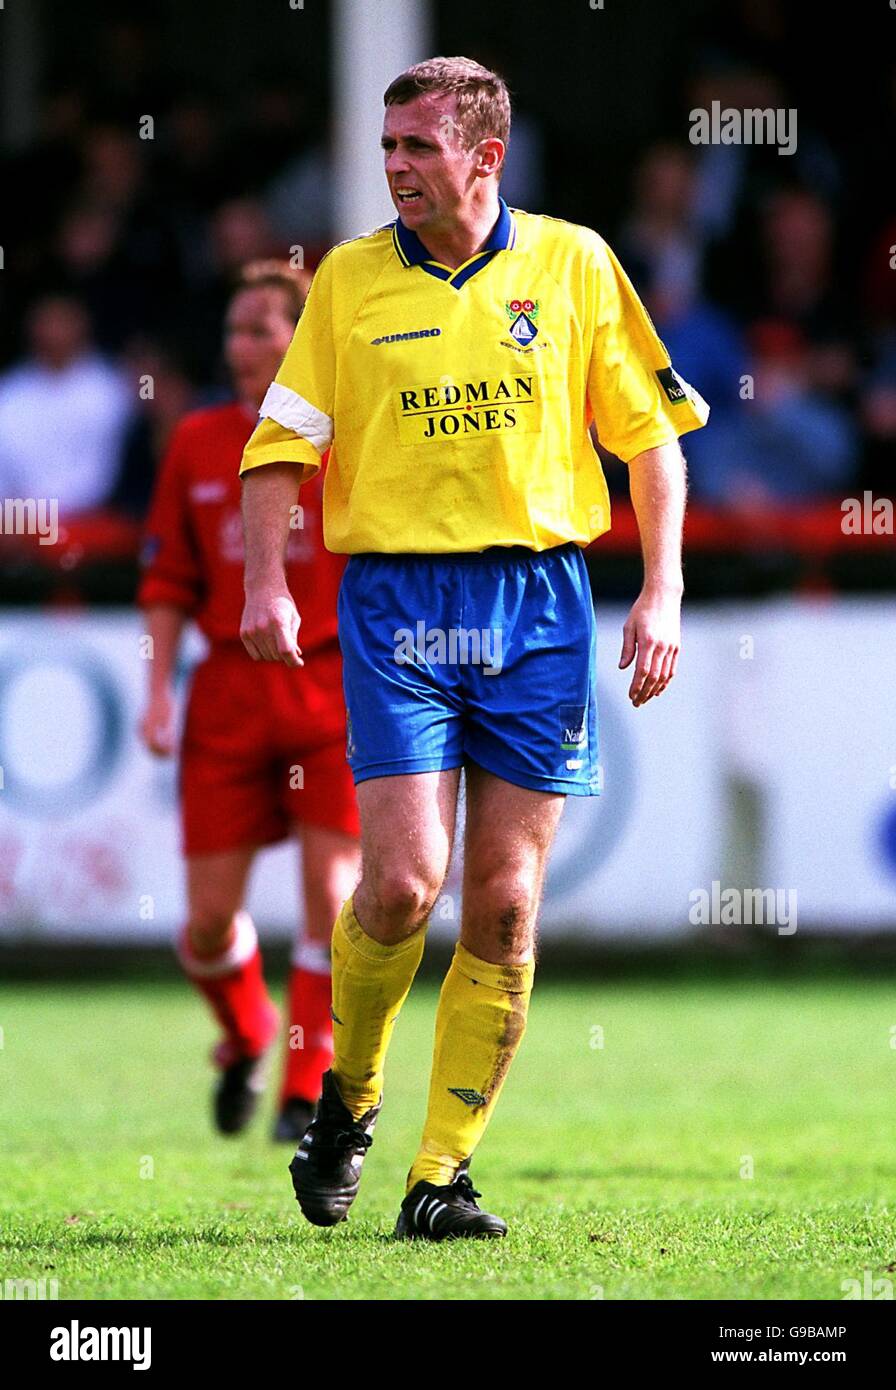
{"x": 433, "y": 1213}
{"x": 417, "y": 1209}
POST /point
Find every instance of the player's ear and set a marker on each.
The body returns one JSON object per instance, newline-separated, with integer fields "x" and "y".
{"x": 490, "y": 155}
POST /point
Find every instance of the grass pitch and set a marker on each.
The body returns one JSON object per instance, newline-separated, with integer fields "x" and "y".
{"x": 694, "y": 1139}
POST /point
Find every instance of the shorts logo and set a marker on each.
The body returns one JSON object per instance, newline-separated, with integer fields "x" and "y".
{"x": 671, "y": 385}
{"x": 467, "y": 1096}
{"x": 574, "y": 735}
{"x": 523, "y": 313}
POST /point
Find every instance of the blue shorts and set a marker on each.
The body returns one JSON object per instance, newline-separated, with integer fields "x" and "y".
{"x": 488, "y": 657}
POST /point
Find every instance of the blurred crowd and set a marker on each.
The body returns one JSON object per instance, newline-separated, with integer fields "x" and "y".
{"x": 123, "y": 245}
{"x": 122, "y": 242}
{"x": 783, "y": 324}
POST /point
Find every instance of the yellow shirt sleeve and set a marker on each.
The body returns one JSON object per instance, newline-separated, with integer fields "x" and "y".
{"x": 296, "y": 424}
{"x": 637, "y": 400}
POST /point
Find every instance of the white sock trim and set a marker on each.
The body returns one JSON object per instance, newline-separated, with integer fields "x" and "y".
{"x": 241, "y": 949}
{"x": 312, "y": 956}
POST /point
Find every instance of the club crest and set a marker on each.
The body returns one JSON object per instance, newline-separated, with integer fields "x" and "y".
{"x": 522, "y": 314}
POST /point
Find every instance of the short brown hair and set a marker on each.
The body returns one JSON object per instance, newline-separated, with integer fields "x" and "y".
{"x": 483, "y": 101}
{"x": 276, "y": 275}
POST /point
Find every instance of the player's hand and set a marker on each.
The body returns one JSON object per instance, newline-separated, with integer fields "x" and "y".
{"x": 270, "y": 628}
{"x": 652, "y": 639}
{"x": 158, "y": 725}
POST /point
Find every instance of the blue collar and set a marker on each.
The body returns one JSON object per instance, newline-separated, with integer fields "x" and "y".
{"x": 411, "y": 251}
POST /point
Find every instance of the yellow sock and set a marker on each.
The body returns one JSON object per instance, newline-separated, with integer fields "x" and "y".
{"x": 479, "y": 1025}
{"x": 370, "y": 983}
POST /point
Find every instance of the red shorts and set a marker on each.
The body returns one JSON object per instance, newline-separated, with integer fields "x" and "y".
{"x": 264, "y": 747}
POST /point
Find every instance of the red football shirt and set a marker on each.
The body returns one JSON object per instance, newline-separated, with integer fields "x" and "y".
{"x": 193, "y": 549}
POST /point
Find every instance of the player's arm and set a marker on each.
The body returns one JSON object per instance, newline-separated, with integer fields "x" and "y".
{"x": 651, "y": 636}
{"x": 286, "y": 449}
{"x": 170, "y": 590}
{"x": 270, "y": 622}
{"x": 164, "y": 625}
{"x": 641, "y": 407}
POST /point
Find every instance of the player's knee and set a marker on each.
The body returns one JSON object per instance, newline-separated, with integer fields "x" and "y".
{"x": 209, "y": 928}
{"x": 404, "y": 897}
{"x": 503, "y": 905}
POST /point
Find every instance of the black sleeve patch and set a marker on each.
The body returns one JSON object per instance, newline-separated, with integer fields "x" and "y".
{"x": 671, "y": 385}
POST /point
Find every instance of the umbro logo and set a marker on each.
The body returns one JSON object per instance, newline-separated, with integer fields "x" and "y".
{"x": 405, "y": 337}
{"x": 467, "y": 1096}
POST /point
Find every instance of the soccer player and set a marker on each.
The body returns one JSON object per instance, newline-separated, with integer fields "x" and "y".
{"x": 263, "y": 750}
{"x": 454, "y": 360}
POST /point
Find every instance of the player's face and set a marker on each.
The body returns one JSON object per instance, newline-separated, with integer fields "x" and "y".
{"x": 257, "y": 333}
{"x": 431, "y": 175}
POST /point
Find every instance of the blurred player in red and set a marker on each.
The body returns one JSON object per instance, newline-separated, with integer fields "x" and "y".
{"x": 263, "y": 749}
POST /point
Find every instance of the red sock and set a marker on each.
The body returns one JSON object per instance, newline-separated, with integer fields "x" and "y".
{"x": 309, "y": 1045}
{"x": 233, "y": 984}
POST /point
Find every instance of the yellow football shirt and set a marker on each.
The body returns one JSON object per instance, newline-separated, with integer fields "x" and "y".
{"x": 457, "y": 404}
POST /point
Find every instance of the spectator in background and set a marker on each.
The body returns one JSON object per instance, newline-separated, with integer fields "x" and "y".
{"x": 662, "y": 244}
{"x": 661, "y": 241}
{"x": 799, "y": 286}
{"x": 732, "y": 181}
{"x": 118, "y": 183}
{"x": 877, "y": 406}
{"x": 49, "y": 168}
{"x": 880, "y": 277}
{"x": 283, "y": 115}
{"x": 878, "y": 415}
{"x": 523, "y": 170}
{"x": 302, "y": 196}
{"x": 709, "y": 351}
{"x": 165, "y": 394}
{"x": 787, "y": 444}
{"x": 90, "y": 261}
{"x": 63, "y": 412}
{"x": 238, "y": 233}
{"x": 192, "y": 172}
{"x": 38, "y": 179}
